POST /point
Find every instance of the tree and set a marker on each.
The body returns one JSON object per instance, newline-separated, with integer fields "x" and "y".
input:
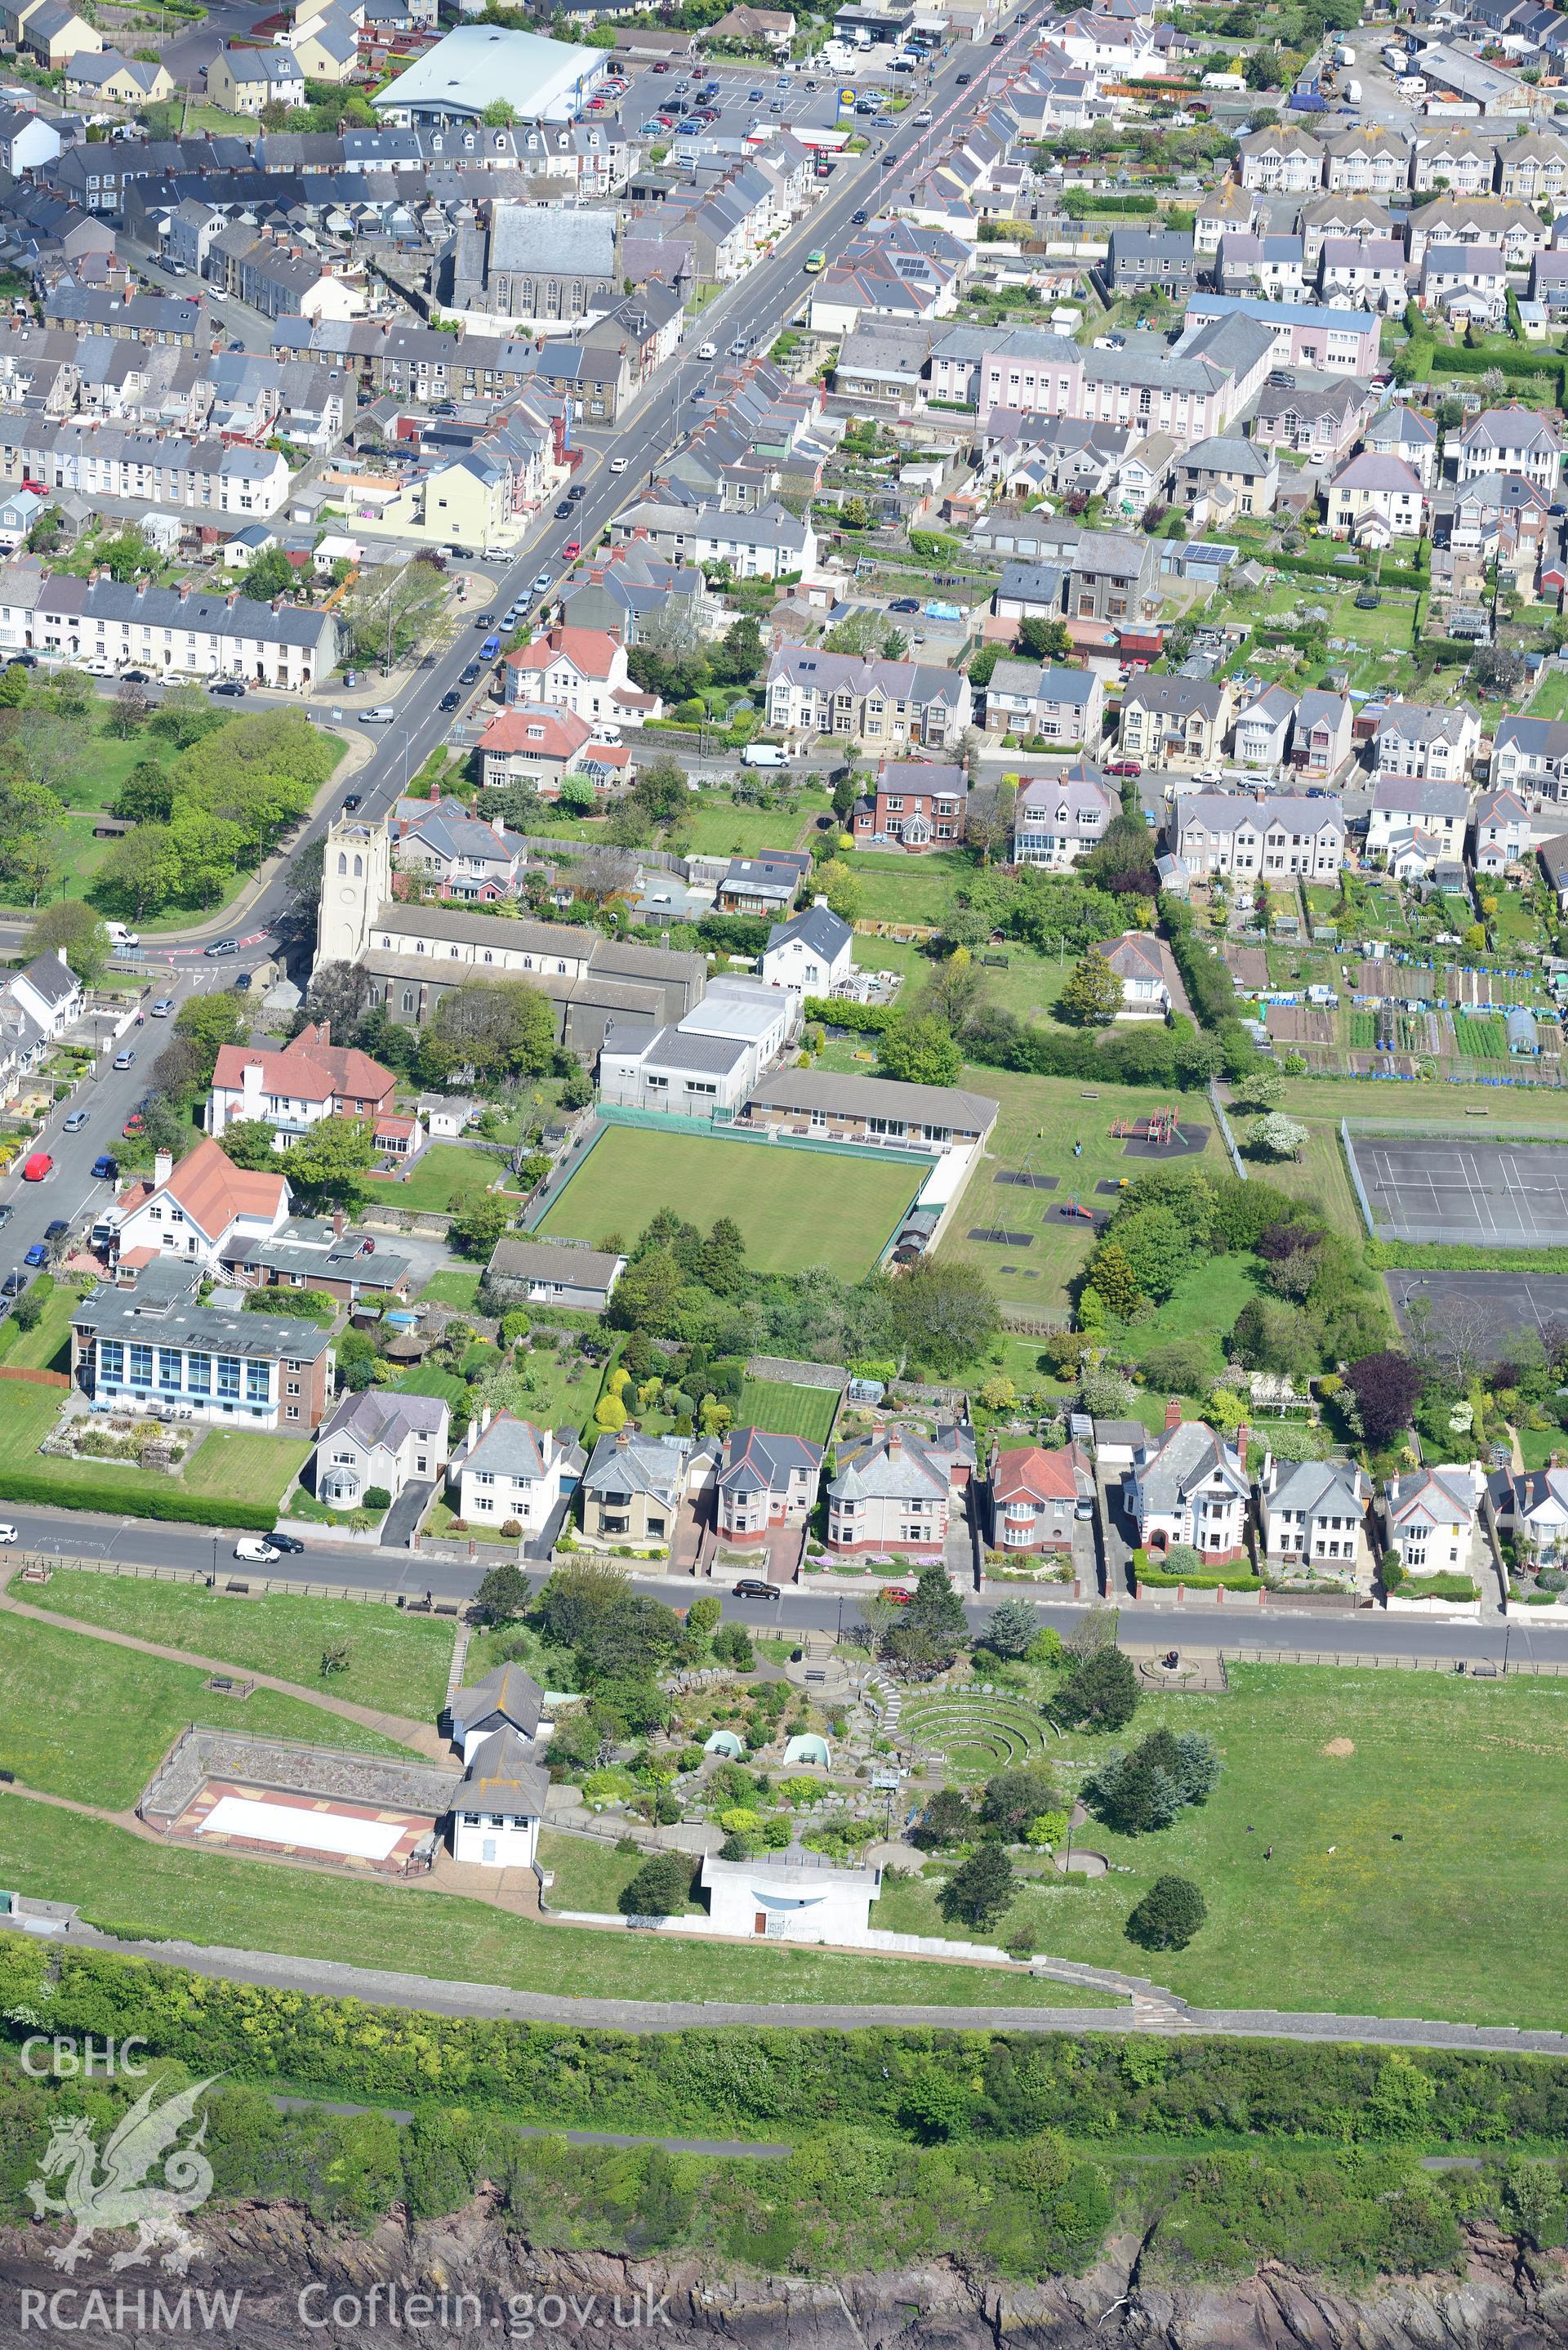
{"x": 76, "y": 932}
{"x": 1279, "y": 1137}
{"x": 479, "y": 1225}
{"x": 1386, "y": 1387}
{"x": 1169, "y": 1916}
{"x": 846, "y": 791}
{"x": 661, "y": 789}
{"x": 946, "y": 1819}
{"x": 980, "y": 1892}
{"x": 1009, "y": 1628}
{"x": 1092, "y": 995}
{"x": 1157, "y": 1248}
{"x": 1013, "y": 1798}
{"x": 1101, "y": 1693}
{"x": 1147, "y": 1788}
{"x": 390, "y": 609}
{"x": 184, "y": 715}
{"x": 648, "y": 1296}
{"x": 147, "y": 795}
{"x": 919, "y": 1052}
{"x": 724, "y": 1258}
{"x": 944, "y": 1314}
{"x": 499, "y": 1029}
{"x": 1113, "y": 1280}
{"x": 659, "y": 1888}
{"x": 1045, "y": 640}
{"x": 503, "y": 1597}
{"x": 575, "y": 1596}
{"x": 936, "y": 1607}
{"x": 498, "y": 115}
{"x": 43, "y": 747}
{"x": 738, "y": 658}
{"x": 16, "y": 685}
{"x": 129, "y": 708}
{"x": 252, "y": 1143}
{"x": 329, "y": 1160}
{"x": 125, "y": 554}
{"x": 840, "y": 885}
{"x": 267, "y": 575}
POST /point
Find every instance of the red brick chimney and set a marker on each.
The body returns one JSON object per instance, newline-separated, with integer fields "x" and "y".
{"x": 895, "y": 1445}
{"x": 1172, "y": 1411}
{"x": 338, "y": 1221}
{"x": 1242, "y": 1433}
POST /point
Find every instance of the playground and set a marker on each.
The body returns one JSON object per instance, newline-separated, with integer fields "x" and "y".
{"x": 1058, "y": 1159}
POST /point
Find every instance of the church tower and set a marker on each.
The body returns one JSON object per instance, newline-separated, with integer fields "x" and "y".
{"x": 356, "y": 883}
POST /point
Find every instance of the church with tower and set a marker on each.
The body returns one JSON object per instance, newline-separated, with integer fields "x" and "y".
{"x": 413, "y": 954}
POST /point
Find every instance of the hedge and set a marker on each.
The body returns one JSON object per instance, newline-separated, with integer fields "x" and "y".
{"x": 834, "y": 1012}
{"x": 1392, "y": 575}
{"x": 1451, "y": 1256}
{"x": 707, "y": 2079}
{"x": 1435, "y": 1587}
{"x": 160, "y": 1499}
{"x": 1154, "y": 1578}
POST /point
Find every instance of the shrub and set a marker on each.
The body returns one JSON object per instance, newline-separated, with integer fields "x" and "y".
{"x": 659, "y": 1888}
{"x": 161, "y": 1500}
{"x": 1169, "y": 1916}
{"x": 377, "y": 1498}
{"x": 512, "y": 1529}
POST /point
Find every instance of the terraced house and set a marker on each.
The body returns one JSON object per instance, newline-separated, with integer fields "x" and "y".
{"x": 169, "y": 630}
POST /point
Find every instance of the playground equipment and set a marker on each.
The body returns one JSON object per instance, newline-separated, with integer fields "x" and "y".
{"x": 1076, "y": 1208}
{"x": 1161, "y": 1127}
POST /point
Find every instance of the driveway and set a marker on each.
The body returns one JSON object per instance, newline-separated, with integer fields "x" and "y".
{"x": 401, "y": 1522}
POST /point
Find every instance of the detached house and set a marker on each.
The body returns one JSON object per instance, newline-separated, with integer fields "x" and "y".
{"x": 1313, "y": 1513}
{"x": 1034, "y": 1497}
{"x": 894, "y": 1489}
{"x": 634, "y": 1485}
{"x": 811, "y": 954}
{"x": 381, "y": 1439}
{"x": 1375, "y": 500}
{"x": 293, "y": 1090}
{"x": 1056, "y": 818}
{"x": 913, "y": 808}
{"x": 580, "y": 670}
{"x": 1174, "y": 721}
{"x": 1143, "y": 963}
{"x": 1431, "y": 1518}
{"x": 206, "y": 1211}
{"x": 506, "y": 1471}
{"x": 1187, "y": 1485}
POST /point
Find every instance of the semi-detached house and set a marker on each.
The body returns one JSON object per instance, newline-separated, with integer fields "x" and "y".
{"x": 1513, "y": 440}
{"x": 1174, "y": 721}
{"x": 1056, "y": 819}
{"x": 1531, "y": 756}
{"x": 1416, "y": 739}
{"x": 1375, "y": 500}
{"x": 1221, "y": 833}
{"x": 878, "y": 702}
{"x": 1282, "y": 161}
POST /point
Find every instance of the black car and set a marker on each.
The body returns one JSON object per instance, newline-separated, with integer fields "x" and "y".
{"x": 222, "y": 947}
{"x": 135, "y": 677}
{"x": 450, "y": 701}
{"x": 578, "y": 490}
{"x": 485, "y": 620}
{"x": 58, "y": 1230}
{"x": 964, "y": 79}
{"x": 905, "y": 604}
{"x": 563, "y": 512}
{"x": 859, "y": 220}
{"x": 471, "y": 674}
{"x": 289, "y": 1543}
{"x": 751, "y": 1586}
{"x": 351, "y": 800}
{"x": 229, "y": 685}
{"x": 14, "y": 1283}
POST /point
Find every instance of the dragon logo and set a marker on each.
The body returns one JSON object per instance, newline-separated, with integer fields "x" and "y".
{"x": 118, "y": 2198}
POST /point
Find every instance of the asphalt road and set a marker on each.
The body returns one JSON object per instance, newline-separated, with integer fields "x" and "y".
{"x": 819, "y": 1607}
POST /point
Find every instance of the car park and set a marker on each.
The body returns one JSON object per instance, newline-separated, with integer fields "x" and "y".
{"x": 126, "y": 1057}
{"x": 77, "y": 1120}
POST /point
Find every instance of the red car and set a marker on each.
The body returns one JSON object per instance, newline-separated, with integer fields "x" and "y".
{"x": 896, "y": 1595}
{"x": 37, "y": 1167}
{"x": 1124, "y": 767}
{"x": 133, "y": 1124}
{"x": 573, "y": 547}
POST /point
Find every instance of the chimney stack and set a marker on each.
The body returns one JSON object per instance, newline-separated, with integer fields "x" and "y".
{"x": 1172, "y": 1412}
{"x": 1242, "y": 1433}
{"x": 162, "y": 1166}
{"x": 895, "y": 1445}
{"x": 338, "y": 1221}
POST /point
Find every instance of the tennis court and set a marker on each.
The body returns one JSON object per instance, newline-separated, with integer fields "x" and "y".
{"x": 1485, "y": 1194}
{"x": 1481, "y": 1309}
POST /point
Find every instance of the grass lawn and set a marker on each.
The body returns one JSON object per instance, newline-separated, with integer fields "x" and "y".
{"x": 47, "y": 1346}
{"x": 1041, "y": 1119}
{"x": 795, "y": 1208}
{"x": 712, "y": 825}
{"x": 445, "y": 1172}
{"x": 82, "y": 1719}
{"x": 395, "y": 1660}
{"x": 1456, "y": 1921}
{"x": 590, "y": 1873}
{"x": 787, "y": 1411}
{"x": 91, "y": 788}
{"x": 1207, "y": 1303}
{"x": 900, "y": 888}
{"x": 245, "y": 1467}
{"x": 1550, "y": 699}
{"x": 456, "y": 1285}
{"x": 424, "y": 1381}
{"x": 872, "y": 953}
{"x": 550, "y": 1397}
{"x": 211, "y": 1898}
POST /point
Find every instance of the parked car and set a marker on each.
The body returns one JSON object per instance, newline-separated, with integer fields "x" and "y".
{"x": 1124, "y": 767}
{"x": 896, "y": 1595}
{"x": 36, "y": 1255}
{"x": 77, "y": 1120}
{"x": 290, "y": 1542}
{"x": 231, "y": 686}
{"x": 105, "y": 1168}
{"x": 13, "y": 1285}
{"x": 751, "y": 1586}
{"x": 905, "y": 604}
{"x": 542, "y": 582}
{"x": 57, "y": 1228}
{"x": 578, "y": 490}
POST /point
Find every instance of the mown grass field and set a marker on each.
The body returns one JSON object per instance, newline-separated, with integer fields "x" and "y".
{"x": 441, "y": 1176}
{"x": 1419, "y": 1874}
{"x": 787, "y": 1411}
{"x": 397, "y": 1662}
{"x": 243, "y": 1466}
{"x": 79, "y": 1717}
{"x": 794, "y": 1208}
{"x": 216, "y": 1898}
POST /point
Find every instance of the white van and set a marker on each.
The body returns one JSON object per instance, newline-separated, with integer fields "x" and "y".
{"x": 255, "y": 1550}
{"x": 382, "y": 716}
{"x": 708, "y": 351}
{"x": 763, "y": 754}
{"x": 118, "y": 936}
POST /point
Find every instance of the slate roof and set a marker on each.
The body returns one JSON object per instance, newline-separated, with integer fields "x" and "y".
{"x": 1320, "y": 1488}
{"x": 1181, "y": 1460}
{"x": 817, "y": 926}
{"x": 853, "y": 1096}
{"x": 508, "y": 1694}
{"x": 505, "y": 1778}
{"x": 385, "y": 1416}
{"x": 756, "y": 1462}
{"x": 655, "y": 1466}
{"x": 889, "y": 1464}
{"x": 519, "y": 1259}
{"x": 510, "y": 1446}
